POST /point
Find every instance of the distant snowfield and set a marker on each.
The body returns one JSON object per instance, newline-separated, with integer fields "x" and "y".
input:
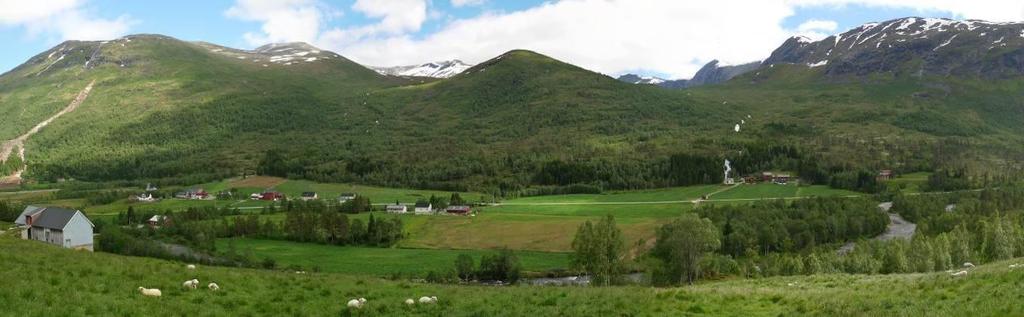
{"x": 443, "y": 69}
{"x": 281, "y": 54}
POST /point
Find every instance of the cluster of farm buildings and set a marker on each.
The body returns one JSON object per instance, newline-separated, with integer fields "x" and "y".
{"x": 764, "y": 177}
{"x": 783, "y": 178}
{"x": 426, "y": 208}
{"x": 419, "y": 208}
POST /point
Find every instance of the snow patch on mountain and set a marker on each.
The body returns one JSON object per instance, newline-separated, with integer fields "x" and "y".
{"x": 443, "y": 69}
{"x": 277, "y": 53}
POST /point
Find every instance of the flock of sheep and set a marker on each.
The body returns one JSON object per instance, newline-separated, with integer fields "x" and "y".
{"x": 359, "y": 302}
{"x": 190, "y": 284}
{"x": 352, "y": 304}
{"x": 967, "y": 265}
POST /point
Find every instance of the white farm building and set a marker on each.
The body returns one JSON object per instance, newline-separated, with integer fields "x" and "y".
{"x": 58, "y": 226}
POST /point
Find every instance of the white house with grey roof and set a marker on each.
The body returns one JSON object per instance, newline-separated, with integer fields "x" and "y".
{"x": 58, "y": 226}
{"x": 423, "y": 208}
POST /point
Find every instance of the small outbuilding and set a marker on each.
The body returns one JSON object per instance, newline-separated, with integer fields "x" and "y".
{"x": 346, "y": 197}
{"x": 884, "y": 175}
{"x": 396, "y": 208}
{"x": 309, "y": 196}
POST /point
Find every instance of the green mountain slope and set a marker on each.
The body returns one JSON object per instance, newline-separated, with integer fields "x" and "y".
{"x": 168, "y": 109}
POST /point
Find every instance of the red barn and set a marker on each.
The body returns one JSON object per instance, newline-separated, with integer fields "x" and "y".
{"x": 274, "y": 196}
{"x": 459, "y": 210}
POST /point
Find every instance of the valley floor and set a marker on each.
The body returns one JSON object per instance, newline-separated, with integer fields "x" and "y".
{"x": 105, "y": 284}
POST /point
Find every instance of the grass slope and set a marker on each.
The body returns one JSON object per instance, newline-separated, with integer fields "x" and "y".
{"x": 104, "y": 284}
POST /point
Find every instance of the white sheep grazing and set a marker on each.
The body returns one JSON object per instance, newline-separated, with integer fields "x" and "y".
{"x": 968, "y": 264}
{"x": 428, "y": 300}
{"x": 961, "y": 273}
{"x": 150, "y": 291}
{"x": 213, "y": 287}
{"x": 191, "y": 266}
{"x": 191, "y": 284}
{"x": 357, "y": 303}
{"x": 409, "y": 301}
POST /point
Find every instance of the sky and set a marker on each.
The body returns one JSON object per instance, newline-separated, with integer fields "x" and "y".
{"x": 664, "y": 38}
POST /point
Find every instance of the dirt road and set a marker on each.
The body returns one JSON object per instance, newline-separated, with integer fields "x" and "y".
{"x": 19, "y": 142}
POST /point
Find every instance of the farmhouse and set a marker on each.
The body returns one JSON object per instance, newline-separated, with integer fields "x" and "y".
{"x": 884, "y": 175}
{"x": 58, "y": 226}
{"x": 346, "y": 197}
{"x": 459, "y": 210}
{"x": 782, "y": 179}
{"x": 309, "y": 196}
{"x": 144, "y": 197}
{"x": 156, "y": 221}
{"x": 423, "y": 207}
{"x": 192, "y": 193}
{"x": 396, "y": 208}
{"x": 273, "y": 196}
{"x": 767, "y": 177}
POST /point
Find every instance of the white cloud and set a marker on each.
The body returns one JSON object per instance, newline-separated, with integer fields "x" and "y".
{"x": 610, "y": 36}
{"x": 817, "y": 29}
{"x": 61, "y": 19}
{"x": 991, "y": 10}
{"x": 396, "y": 16}
{"x": 283, "y": 20}
{"x": 16, "y": 12}
{"x": 462, "y": 3}
{"x": 672, "y": 37}
{"x": 77, "y": 26}
{"x": 818, "y": 25}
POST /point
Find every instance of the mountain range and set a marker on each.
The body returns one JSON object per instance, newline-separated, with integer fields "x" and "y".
{"x": 711, "y": 73}
{"x": 913, "y": 46}
{"x": 908, "y": 94}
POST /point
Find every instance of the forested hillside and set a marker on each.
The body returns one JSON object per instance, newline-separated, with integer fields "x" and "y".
{"x": 170, "y": 111}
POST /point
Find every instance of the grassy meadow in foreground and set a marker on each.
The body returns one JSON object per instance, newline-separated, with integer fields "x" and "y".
{"x": 105, "y": 284}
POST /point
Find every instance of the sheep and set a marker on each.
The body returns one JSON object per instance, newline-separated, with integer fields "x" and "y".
{"x": 409, "y": 301}
{"x": 357, "y": 303}
{"x": 213, "y": 287}
{"x": 428, "y": 300}
{"x": 193, "y": 284}
{"x": 958, "y": 274}
{"x": 191, "y": 266}
{"x": 150, "y": 291}
{"x": 1015, "y": 265}
{"x": 968, "y": 264}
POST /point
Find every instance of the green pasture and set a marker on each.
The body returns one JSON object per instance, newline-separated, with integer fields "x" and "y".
{"x": 378, "y": 261}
